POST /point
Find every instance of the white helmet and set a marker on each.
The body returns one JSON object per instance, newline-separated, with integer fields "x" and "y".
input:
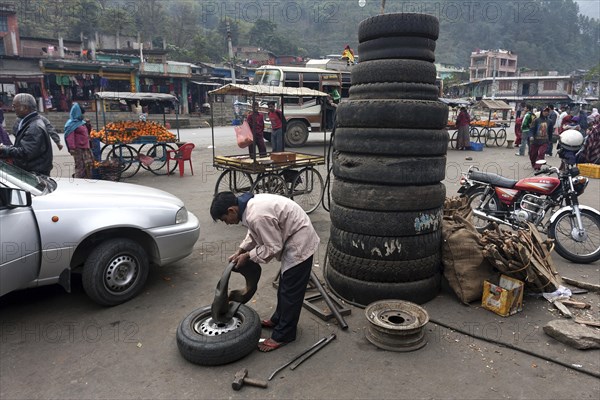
{"x": 571, "y": 139}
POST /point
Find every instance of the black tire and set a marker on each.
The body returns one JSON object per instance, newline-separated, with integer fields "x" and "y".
{"x": 561, "y": 230}
{"x": 202, "y": 348}
{"x": 386, "y": 248}
{"x": 368, "y": 196}
{"x": 390, "y": 141}
{"x": 397, "y": 47}
{"x": 363, "y": 293}
{"x": 270, "y": 183}
{"x": 234, "y": 181}
{"x": 115, "y": 271}
{"x": 395, "y": 90}
{"x": 365, "y": 269}
{"x": 389, "y": 170}
{"x": 475, "y": 199}
{"x": 420, "y": 114}
{"x": 296, "y": 134}
{"x": 382, "y": 223}
{"x": 454, "y": 140}
{"x": 490, "y": 138}
{"x": 501, "y": 137}
{"x": 399, "y": 24}
{"x": 378, "y": 71}
{"x": 129, "y": 163}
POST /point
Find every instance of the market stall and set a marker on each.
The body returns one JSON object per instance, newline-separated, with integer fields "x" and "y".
{"x": 290, "y": 174}
{"x": 136, "y": 143}
{"x": 493, "y": 129}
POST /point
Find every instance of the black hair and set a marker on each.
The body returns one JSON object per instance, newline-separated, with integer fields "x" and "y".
{"x": 221, "y": 202}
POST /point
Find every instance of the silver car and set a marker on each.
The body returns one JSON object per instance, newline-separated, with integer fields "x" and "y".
{"x": 110, "y": 232}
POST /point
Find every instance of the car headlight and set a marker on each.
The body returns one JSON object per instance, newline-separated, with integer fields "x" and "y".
{"x": 181, "y": 216}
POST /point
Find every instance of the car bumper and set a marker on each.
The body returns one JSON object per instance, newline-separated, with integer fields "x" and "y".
{"x": 177, "y": 241}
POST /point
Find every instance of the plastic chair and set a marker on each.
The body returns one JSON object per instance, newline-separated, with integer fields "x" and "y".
{"x": 182, "y": 154}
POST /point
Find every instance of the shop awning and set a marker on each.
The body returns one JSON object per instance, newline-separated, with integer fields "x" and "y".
{"x": 16, "y": 75}
{"x": 206, "y": 83}
{"x": 493, "y": 105}
{"x": 136, "y": 96}
{"x": 455, "y": 102}
{"x": 263, "y": 90}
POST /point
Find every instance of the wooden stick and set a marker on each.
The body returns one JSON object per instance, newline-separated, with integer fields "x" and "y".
{"x": 576, "y": 304}
{"x": 583, "y": 285}
{"x": 562, "y": 308}
{"x": 587, "y": 322}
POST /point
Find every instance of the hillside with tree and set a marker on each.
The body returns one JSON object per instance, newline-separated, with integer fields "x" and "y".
{"x": 546, "y": 35}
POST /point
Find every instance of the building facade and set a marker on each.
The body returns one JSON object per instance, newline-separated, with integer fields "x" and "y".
{"x": 490, "y": 63}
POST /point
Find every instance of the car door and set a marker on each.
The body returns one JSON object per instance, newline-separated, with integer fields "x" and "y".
{"x": 19, "y": 240}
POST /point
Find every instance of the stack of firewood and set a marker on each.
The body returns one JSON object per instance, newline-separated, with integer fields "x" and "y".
{"x": 523, "y": 255}
{"x": 456, "y": 204}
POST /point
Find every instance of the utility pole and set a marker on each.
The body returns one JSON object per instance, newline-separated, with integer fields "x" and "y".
{"x": 230, "y": 48}
{"x": 494, "y": 80}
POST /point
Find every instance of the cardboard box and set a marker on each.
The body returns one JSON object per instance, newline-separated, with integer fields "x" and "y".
{"x": 284, "y": 156}
{"x": 504, "y": 299}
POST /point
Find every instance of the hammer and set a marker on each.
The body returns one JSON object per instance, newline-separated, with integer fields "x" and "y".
{"x": 241, "y": 379}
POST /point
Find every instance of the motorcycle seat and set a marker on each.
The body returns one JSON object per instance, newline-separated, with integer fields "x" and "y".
{"x": 492, "y": 179}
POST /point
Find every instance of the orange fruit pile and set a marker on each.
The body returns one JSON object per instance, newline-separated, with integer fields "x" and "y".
{"x": 128, "y": 131}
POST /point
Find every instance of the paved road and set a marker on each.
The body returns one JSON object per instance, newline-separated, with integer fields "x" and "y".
{"x": 59, "y": 345}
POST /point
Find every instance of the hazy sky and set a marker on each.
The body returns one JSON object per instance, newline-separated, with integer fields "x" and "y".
{"x": 591, "y": 8}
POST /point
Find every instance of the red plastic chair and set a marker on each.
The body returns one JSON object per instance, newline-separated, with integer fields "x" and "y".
{"x": 182, "y": 154}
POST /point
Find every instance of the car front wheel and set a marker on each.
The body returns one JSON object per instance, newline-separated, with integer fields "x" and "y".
{"x": 115, "y": 271}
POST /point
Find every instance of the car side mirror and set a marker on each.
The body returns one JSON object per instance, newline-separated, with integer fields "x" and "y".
{"x": 13, "y": 198}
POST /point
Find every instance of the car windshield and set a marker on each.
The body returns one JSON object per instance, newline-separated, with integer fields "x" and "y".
{"x": 36, "y": 184}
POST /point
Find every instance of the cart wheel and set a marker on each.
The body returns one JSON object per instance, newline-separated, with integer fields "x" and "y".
{"x": 158, "y": 153}
{"x": 128, "y": 159}
{"x": 307, "y": 189}
{"x": 473, "y": 133}
{"x": 453, "y": 139}
{"x": 234, "y": 181}
{"x": 143, "y": 149}
{"x": 501, "y": 137}
{"x": 490, "y": 137}
{"x": 270, "y": 183}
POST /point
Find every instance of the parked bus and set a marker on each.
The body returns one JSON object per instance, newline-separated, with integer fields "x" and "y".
{"x": 303, "y": 114}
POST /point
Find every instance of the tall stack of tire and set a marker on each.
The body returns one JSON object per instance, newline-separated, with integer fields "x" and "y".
{"x": 389, "y": 160}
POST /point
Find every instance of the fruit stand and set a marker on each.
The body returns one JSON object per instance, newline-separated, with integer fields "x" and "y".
{"x": 135, "y": 144}
{"x": 482, "y": 131}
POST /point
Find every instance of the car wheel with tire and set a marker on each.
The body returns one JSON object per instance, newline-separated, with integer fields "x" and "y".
{"x": 203, "y": 341}
{"x": 296, "y": 134}
{"x": 115, "y": 271}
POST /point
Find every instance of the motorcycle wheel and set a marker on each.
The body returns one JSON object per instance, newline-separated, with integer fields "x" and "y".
{"x": 475, "y": 200}
{"x": 583, "y": 252}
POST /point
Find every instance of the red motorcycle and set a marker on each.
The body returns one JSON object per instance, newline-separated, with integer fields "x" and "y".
{"x": 574, "y": 227}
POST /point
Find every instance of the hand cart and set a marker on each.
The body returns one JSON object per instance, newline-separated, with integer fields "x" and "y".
{"x": 135, "y": 151}
{"x": 287, "y": 174}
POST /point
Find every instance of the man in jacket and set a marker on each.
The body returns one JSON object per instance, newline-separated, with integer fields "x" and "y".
{"x": 278, "y": 228}
{"x": 32, "y": 150}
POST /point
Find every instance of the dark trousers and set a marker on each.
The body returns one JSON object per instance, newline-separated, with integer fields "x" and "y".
{"x": 290, "y": 295}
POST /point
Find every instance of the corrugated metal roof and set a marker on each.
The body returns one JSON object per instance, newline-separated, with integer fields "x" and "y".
{"x": 136, "y": 96}
{"x": 246, "y": 90}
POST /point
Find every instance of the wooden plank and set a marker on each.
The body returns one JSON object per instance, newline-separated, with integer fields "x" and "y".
{"x": 562, "y": 308}
{"x": 587, "y": 322}
{"x": 584, "y": 285}
{"x": 576, "y": 304}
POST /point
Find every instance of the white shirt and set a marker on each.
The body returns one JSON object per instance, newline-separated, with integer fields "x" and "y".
{"x": 278, "y": 228}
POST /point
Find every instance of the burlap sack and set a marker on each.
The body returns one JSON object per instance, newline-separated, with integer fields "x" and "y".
{"x": 465, "y": 267}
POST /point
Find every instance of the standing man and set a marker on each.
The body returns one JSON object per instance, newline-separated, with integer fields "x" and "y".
{"x": 278, "y": 228}
{"x": 552, "y": 117}
{"x": 525, "y": 130}
{"x": 257, "y": 125}
{"x": 276, "y": 118}
{"x": 540, "y": 137}
{"x": 32, "y": 150}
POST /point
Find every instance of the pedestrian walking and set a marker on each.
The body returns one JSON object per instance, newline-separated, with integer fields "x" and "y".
{"x": 78, "y": 142}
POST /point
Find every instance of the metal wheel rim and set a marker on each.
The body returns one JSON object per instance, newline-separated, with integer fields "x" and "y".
{"x": 270, "y": 183}
{"x": 234, "y": 181}
{"x": 121, "y": 273}
{"x": 474, "y": 202}
{"x": 565, "y": 230}
{"x": 396, "y": 325}
{"x": 159, "y": 165}
{"x": 207, "y": 326}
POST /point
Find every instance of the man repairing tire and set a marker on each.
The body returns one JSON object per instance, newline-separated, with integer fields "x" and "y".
{"x": 277, "y": 228}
